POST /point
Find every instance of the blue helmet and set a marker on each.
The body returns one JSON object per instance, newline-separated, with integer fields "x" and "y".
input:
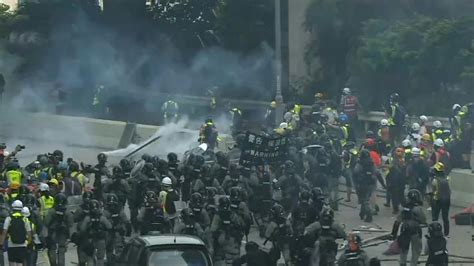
{"x": 343, "y": 118}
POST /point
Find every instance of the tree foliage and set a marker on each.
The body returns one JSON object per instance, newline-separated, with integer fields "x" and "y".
{"x": 422, "y": 49}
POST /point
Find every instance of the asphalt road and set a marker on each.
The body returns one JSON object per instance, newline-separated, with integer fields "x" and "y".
{"x": 459, "y": 243}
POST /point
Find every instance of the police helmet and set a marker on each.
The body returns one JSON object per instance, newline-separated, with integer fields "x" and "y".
{"x": 327, "y": 216}
{"x": 277, "y": 211}
{"x": 211, "y": 192}
{"x": 111, "y": 199}
{"x": 151, "y": 197}
{"x": 43, "y": 160}
{"x": 73, "y": 166}
{"x": 58, "y": 155}
{"x": 317, "y": 193}
{"x": 172, "y": 157}
{"x": 414, "y": 196}
{"x": 125, "y": 164}
{"x": 88, "y": 195}
{"x": 198, "y": 161}
{"x": 148, "y": 168}
{"x": 196, "y": 202}
{"x": 304, "y": 196}
{"x": 435, "y": 229}
{"x": 224, "y": 204}
{"x": 94, "y": 206}
{"x": 102, "y": 158}
{"x": 235, "y": 194}
{"x": 146, "y": 157}
{"x": 60, "y": 200}
{"x": 117, "y": 171}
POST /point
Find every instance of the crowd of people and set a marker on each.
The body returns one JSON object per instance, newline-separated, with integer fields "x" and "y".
{"x": 54, "y": 201}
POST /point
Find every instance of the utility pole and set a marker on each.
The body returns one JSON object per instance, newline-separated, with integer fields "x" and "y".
{"x": 278, "y": 65}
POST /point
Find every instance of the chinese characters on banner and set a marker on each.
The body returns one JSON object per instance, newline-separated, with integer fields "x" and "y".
{"x": 258, "y": 150}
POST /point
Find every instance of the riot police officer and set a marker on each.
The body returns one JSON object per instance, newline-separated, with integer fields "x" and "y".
{"x": 151, "y": 216}
{"x": 436, "y": 246}
{"x": 78, "y": 237}
{"x": 58, "y": 221}
{"x": 279, "y": 232}
{"x": 238, "y": 206}
{"x": 326, "y": 231}
{"x": 120, "y": 227}
{"x": 290, "y": 184}
{"x": 95, "y": 228}
{"x": 188, "y": 225}
{"x": 118, "y": 185}
{"x": 410, "y": 220}
{"x": 207, "y": 180}
{"x": 196, "y": 205}
{"x": 101, "y": 173}
{"x": 227, "y": 232}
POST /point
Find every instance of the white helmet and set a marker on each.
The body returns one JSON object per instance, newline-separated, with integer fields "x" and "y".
{"x": 437, "y": 124}
{"x": 423, "y": 118}
{"x": 456, "y": 107}
{"x": 439, "y": 143}
{"x": 416, "y": 151}
{"x": 406, "y": 143}
{"x": 384, "y": 122}
{"x": 415, "y": 126}
{"x": 43, "y": 187}
{"x": 346, "y": 91}
{"x": 284, "y": 125}
{"x": 166, "y": 181}
{"x": 288, "y": 116}
{"x": 25, "y": 212}
{"x": 17, "y": 205}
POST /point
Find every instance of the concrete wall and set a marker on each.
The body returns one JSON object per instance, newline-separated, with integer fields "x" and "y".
{"x": 298, "y": 38}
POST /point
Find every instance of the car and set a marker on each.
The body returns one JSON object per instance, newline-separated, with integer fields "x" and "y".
{"x": 166, "y": 249}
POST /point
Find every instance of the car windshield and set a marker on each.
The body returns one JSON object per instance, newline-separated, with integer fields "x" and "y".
{"x": 186, "y": 257}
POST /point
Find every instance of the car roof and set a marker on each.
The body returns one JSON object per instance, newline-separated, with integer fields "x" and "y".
{"x": 171, "y": 239}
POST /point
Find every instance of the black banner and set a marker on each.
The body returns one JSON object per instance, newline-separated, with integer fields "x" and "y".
{"x": 258, "y": 150}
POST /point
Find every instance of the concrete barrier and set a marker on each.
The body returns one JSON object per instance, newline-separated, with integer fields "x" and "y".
{"x": 462, "y": 186}
{"x": 74, "y": 131}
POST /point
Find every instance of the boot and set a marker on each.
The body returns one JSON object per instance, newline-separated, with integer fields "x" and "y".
{"x": 349, "y": 193}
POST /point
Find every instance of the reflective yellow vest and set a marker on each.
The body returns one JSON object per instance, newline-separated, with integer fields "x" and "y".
{"x": 13, "y": 176}
{"x": 46, "y": 203}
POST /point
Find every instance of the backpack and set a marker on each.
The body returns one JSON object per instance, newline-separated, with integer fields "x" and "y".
{"x": 17, "y": 230}
{"x": 444, "y": 190}
{"x": 400, "y": 115}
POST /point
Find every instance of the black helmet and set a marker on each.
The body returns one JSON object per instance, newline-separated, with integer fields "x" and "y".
{"x": 327, "y": 216}
{"x": 151, "y": 197}
{"x": 172, "y": 157}
{"x": 224, "y": 204}
{"x": 235, "y": 194}
{"x": 88, "y": 195}
{"x": 289, "y": 164}
{"x": 117, "y": 171}
{"x": 278, "y": 212}
{"x": 394, "y": 97}
{"x": 234, "y": 170}
{"x": 317, "y": 193}
{"x": 148, "y": 168}
{"x": 58, "y": 155}
{"x": 73, "y": 166}
{"x": 187, "y": 215}
{"x": 211, "y": 192}
{"x": 162, "y": 166}
{"x": 304, "y": 196}
{"x": 196, "y": 202}
{"x": 60, "y": 200}
{"x": 414, "y": 197}
{"x": 198, "y": 161}
{"x": 102, "y": 158}
{"x": 435, "y": 229}
{"x": 370, "y": 134}
{"x": 43, "y": 160}
{"x": 111, "y": 199}
{"x": 94, "y": 206}
{"x": 146, "y": 157}
{"x": 125, "y": 164}
{"x": 205, "y": 171}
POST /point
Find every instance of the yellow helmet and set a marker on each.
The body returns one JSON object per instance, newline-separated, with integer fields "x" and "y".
{"x": 15, "y": 185}
{"x": 53, "y": 181}
{"x": 426, "y": 137}
{"x": 273, "y": 104}
{"x": 439, "y": 167}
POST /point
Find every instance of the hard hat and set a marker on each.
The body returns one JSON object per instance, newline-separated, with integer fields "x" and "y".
{"x": 384, "y": 122}
{"x": 273, "y": 104}
{"x": 284, "y": 125}
{"x": 14, "y": 185}
{"x": 346, "y": 91}
{"x": 166, "y": 181}
{"x": 288, "y": 116}
{"x": 25, "y": 212}
{"x": 437, "y": 124}
{"x": 43, "y": 187}
{"x": 17, "y": 205}
{"x": 439, "y": 143}
{"x": 53, "y": 181}
{"x": 318, "y": 95}
{"x": 456, "y": 107}
{"x": 343, "y": 118}
{"x": 415, "y": 126}
{"x": 426, "y": 137}
{"x": 423, "y": 118}
{"x": 6, "y": 153}
{"x": 406, "y": 143}
{"x": 464, "y": 109}
{"x": 416, "y": 151}
{"x": 439, "y": 167}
